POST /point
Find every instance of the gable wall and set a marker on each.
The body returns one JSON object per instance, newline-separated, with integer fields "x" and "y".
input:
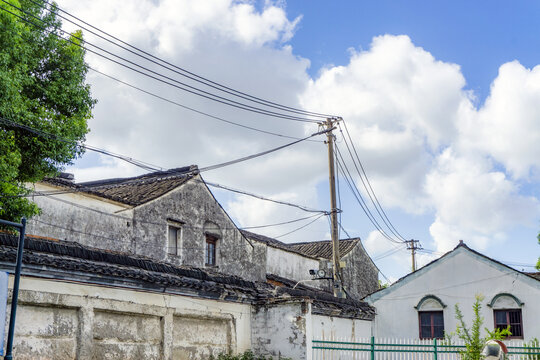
{"x": 291, "y": 266}
{"x": 455, "y": 279}
{"x": 193, "y": 205}
{"x": 360, "y": 275}
{"x": 110, "y": 227}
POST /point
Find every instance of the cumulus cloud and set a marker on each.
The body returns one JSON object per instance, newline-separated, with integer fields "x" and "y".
{"x": 474, "y": 202}
{"x": 507, "y": 127}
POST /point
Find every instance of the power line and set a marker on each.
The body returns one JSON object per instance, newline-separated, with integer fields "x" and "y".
{"x": 301, "y": 207}
{"x": 179, "y": 70}
{"x": 301, "y": 227}
{"x": 369, "y": 188}
{"x": 143, "y": 165}
{"x": 193, "y": 109}
{"x": 277, "y": 224}
{"x": 358, "y": 196}
{"x": 147, "y": 72}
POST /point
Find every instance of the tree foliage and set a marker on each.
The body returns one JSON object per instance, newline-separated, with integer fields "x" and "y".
{"x": 42, "y": 86}
{"x": 474, "y": 342}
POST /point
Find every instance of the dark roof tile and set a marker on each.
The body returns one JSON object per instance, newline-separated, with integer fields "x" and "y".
{"x": 134, "y": 190}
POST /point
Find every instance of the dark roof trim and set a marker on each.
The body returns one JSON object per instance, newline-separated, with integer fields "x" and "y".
{"x": 429, "y": 297}
{"x": 496, "y": 297}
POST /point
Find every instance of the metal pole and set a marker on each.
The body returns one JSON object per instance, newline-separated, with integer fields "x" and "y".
{"x": 338, "y": 285}
{"x": 15, "y": 296}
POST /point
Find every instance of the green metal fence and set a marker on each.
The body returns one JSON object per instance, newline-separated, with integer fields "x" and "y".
{"x": 400, "y": 349}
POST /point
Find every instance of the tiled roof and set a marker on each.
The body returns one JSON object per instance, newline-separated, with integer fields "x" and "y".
{"x": 42, "y": 256}
{"x": 272, "y": 242}
{"x": 312, "y": 249}
{"x": 323, "y": 249}
{"x": 135, "y": 190}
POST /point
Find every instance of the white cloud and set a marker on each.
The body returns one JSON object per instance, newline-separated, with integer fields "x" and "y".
{"x": 507, "y": 127}
{"x": 474, "y": 202}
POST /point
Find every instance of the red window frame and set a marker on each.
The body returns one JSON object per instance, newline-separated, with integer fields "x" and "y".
{"x": 432, "y": 325}
{"x": 210, "y": 250}
{"x": 513, "y": 318}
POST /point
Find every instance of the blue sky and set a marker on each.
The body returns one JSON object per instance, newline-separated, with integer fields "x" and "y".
{"x": 411, "y": 79}
{"x": 477, "y": 35}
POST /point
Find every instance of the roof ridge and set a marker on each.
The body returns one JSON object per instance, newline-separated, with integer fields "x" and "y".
{"x": 152, "y": 176}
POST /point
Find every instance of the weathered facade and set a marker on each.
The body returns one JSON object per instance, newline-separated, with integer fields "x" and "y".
{"x": 135, "y": 215}
{"x": 78, "y": 302}
{"x": 153, "y": 267}
{"x": 293, "y": 261}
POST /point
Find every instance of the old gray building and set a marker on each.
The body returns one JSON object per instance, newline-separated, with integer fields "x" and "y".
{"x": 130, "y": 267}
{"x": 169, "y": 216}
{"x": 286, "y": 262}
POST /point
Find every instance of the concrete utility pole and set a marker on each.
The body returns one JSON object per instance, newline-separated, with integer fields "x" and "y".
{"x": 337, "y": 275}
{"x": 413, "y": 245}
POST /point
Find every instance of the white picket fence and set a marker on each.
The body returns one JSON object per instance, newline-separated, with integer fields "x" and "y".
{"x": 401, "y": 349}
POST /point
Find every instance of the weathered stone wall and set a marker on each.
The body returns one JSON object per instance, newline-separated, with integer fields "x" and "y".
{"x": 73, "y": 321}
{"x": 193, "y": 205}
{"x": 143, "y": 230}
{"x": 282, "y": 329}
{"x": 360, "y": 275}
{"x": 91, "y": 221}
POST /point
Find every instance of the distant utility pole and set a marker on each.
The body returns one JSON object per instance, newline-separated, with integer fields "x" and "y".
{"x": 337, "y": 274}
{"x": 413, "y": 245}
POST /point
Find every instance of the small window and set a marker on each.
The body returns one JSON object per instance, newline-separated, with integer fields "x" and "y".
{"x": 512, "y": 317}
{"x": 175, "y": 240}
{"x": 431, "y": 324}
{"x": 210, "y": 253}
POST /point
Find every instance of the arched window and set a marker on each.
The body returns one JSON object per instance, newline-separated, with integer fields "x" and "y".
{"x": 507, "y": 312}
{"x": 430, "y": 317}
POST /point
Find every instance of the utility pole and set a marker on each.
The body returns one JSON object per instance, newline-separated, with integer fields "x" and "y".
{"x": 413, "y": 245}
{"x": 337, "y": 274}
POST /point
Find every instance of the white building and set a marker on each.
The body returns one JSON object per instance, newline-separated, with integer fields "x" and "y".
{"x": 421, "y": 304}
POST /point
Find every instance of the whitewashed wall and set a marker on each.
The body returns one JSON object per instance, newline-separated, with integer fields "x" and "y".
{"x": 455, "y": 279}
{"x": 291, "y": 266}
{"x": 61, "y": 320}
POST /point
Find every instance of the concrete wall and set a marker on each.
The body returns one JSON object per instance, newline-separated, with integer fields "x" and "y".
{"x": 455, "y": 279}
{"x": 282, "y": 330}
{"x": 291, "y": 266}
{"x": 74, "y": 321}
{"x": 340, "y": 329}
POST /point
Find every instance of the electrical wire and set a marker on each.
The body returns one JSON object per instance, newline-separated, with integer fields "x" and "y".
{"x": 369, "y": 188}
{"x": 301, "y": 207}
{"x": 156, "y": 75}
{"x": 358, "y": 196}
{"x": 144, "y": 165}
{"x": 193, "y": 109}
{"x": 277, "y": 224}
{"x": 301, "y": 227}
{"x": 181, "y": 71}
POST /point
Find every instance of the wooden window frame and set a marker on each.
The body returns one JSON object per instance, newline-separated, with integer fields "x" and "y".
{"x": 174, "y": 250}
{"x": 210, "y": 258}
{"x": 507, "y": 311}
{"x": 432, "y": 326}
